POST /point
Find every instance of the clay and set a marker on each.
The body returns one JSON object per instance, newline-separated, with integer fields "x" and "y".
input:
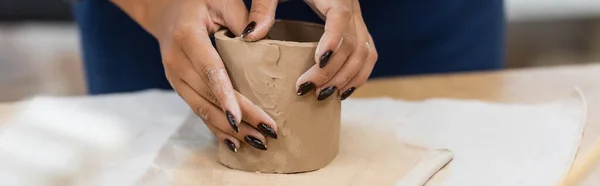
{"x": 266, "y": 72}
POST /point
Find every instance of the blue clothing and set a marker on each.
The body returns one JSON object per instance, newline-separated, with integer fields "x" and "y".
{"x": 411, "y": 36}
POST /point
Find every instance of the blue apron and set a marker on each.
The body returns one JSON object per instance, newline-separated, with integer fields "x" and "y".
{"x": 412, "y": 37}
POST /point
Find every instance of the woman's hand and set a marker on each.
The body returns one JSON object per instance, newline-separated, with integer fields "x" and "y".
{"x": 345, "y": 55}
{"x": 194, "y": 68}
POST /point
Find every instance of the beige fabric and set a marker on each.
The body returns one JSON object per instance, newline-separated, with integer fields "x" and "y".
{"x": 266, "y": 73}
{"x": 367, "y": 157}
{"x": 427, "y": 167}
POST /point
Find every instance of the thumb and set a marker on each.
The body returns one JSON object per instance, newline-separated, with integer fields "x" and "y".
{"x": 233, "y": 15}
{"x": 260, "y": 20}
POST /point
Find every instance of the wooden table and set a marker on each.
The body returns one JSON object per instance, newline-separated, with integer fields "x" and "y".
{"x": 512, "y": 86}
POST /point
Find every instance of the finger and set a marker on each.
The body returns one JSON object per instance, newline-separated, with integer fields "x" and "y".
{"x": 338, "y": 18}
{"x": 363, "y": 74}
{"x": 233, "y": 15}
{"x": 247, "y": 133}
{"x": 186, "y": 72}
{"x": 251, "y": 136}
{"x": 208, "y": 64}
{"x": 261, "y": 19}
{"x": 230, "y": 142}
{"x": 319, "y": 76}
{"x": 209, "y": 113}
{"x": 251, "y": 113}
{"x": 349, "y": 70}
{"x": 362, "y": 53}
{"x": 213, "y": 117}
{"x": 255, "y": 116}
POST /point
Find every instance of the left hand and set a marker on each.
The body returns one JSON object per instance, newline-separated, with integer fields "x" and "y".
{"x": 345, "y": 55}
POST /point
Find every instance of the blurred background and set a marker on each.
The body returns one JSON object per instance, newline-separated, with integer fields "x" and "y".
{"x": 39, "y": 46}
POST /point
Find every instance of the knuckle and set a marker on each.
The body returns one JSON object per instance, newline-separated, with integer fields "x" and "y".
{"x": 346, "y": 78}
{"x": 230, "y": 131}
{"x": 210, "y": 97}
{"x": 361, "y": 82}
{"x": 247, "y": 114}
{"x": 375, "y": 56}
{"x": 323, "y": 76}
{"x": 260, "y": 8}
{"x": 214, "y": 74}
{"x": 218, "y": 134}
{"x": 350, "y": 39}
{"x": 216, "y": 77}
{"x": 169, "y": 64}
{"x": 168, "y": 60}
{"x": 204, "y": 114}
{"x": 364, "y": 50}
{"x": 181, "y": 33}
{"x": 349, "y": 42}
{"x": 362, "y": 53}
{"x": 345, "y": 11}
{"x": 342, "y": 80}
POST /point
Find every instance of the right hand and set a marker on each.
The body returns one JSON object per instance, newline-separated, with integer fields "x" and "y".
{"x": 195, "y": 69}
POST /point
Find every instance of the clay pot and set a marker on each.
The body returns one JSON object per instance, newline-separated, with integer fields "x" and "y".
{"x": 266, "y": 72}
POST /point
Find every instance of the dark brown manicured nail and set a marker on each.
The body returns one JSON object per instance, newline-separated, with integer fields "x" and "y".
{"x": 265, "y": 129}
{"x": 255, "y": 142}
{"x": 347, "y": 93}
{"x": 325, "y": 58}
{"x": 231, "y": 121}
{"x": 230, "y": 145}
{"x": 248, "y": 29}
{"x": 305, "y": 88}
{"x": 325, "y": 93}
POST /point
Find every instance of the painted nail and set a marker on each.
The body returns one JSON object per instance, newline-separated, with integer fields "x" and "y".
{"x": 230, "y": 145}
{"x": 347, "y": 93}
{"x": 255, "y": 142}
{"x": 265, "y": 129}
{"x": 325, "y": 58}
{"x": 305, "y": 88}
{"x": 325, "y": 93}
{"x": 248, "y": 29}
{"x": 231, "y": 121}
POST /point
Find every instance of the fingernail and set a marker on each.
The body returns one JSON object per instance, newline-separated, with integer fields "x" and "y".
{"x": 325, "y": 58}
{"x": 255, "y": 142}
{"x": 347, "y": 93}
{"x": 325, "y": 93}
{"x": 231, "y": 121}
{"x": 248, "y": 29}
{"x": 265, "y": 129}
{"x": 305, "y": 88}
{"x": 230, "y": 145}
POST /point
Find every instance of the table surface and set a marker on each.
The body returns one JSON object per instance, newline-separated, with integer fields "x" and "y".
{"x": 510, "y": 86}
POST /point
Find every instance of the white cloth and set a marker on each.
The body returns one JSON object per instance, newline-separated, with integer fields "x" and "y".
{"x": 493, "y": 143}
{"x": 53, "y": 138}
